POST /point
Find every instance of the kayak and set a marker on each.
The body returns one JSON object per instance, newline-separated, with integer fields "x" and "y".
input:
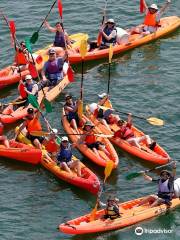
{"x": 89, "y": 181}
{"x": 168, "y": 25}
{"x": 7, "y": 76}
{"x": 102, "y": 159}
{"x": 9, "y": 116}
{"x": 21, "y": 152}
{"x": 156, "y": 156}
{"x": 131, "y": 214}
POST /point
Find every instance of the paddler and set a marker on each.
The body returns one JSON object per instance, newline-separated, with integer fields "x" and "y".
{"x": 90, "y": 140}
{"x": 125, "y": 132}
{"x": 152, "y": 18}
{"x": 165, "y": 188}
{"x": 3, "y": 138}
{"x": 64, "y": 157}
{"x": 112, "y": 208}
{"x": 52, "y": 72}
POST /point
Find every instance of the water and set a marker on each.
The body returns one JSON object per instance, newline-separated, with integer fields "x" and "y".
{"x": 143, "y": 81}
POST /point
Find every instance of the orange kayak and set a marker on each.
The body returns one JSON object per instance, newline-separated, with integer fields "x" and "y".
{"x": 9, "y": 116}
{"x": 89, "y": 181}
{"x": 21, "y": 152}
{"x": 102, "y": 158}
{"x": 131, "y": 214}
{"x": 156, "y": 156}
{"x": 168, "y": 25}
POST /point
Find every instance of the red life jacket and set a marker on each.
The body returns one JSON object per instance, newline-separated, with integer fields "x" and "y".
{"x": 20, "y": 58}
{"x": 90, "y": 139}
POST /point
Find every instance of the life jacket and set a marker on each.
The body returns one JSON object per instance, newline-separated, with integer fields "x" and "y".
{"x": 108, "y": 31}
{"x": 65, "y": 154}
{"x": 22, "y": 91}
{"x": 89, "y": 139}
{"x": 54, "y": 69}
{"x": 51, "y": 146}
{"x": 125, "y": 132}
{"x": 20, "y": 58}
{"x": 59, "y": 40}
{"x": 107, "y": 104}
{"x": 69, "y": 113}
{"x": 150, "y": 20}
{"x": 111, "y": 213}
{"x": 33, "y": 125}
{"x": 30, "y": 87}
{"x": 166, "y": 187}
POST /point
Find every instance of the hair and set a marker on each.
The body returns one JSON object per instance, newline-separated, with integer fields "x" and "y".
{"x": 59, "y": 23}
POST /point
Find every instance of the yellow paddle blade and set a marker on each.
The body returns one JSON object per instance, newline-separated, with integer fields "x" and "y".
{"x": 93, "y": 213}
{"x": 110, "y": 52}
{"x": 155, "y": 121}
{"x": 39, "y": 133}
{"x": 80, "y": 109}
{"x": 108, "y": 169}
{"x": 83, "y": 48}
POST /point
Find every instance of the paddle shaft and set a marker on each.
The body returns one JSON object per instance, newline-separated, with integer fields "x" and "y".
{"x": 109, "y": 78}
{"x": 158, "y": 167}
{"x": 132, "y": 114}
{"x": 82, "y": 79}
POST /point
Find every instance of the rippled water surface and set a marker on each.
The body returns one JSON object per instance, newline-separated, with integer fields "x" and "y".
{"x": 143, "y": 81}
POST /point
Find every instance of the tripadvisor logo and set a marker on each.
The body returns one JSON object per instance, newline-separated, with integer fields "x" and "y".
{"x": 139, "y": 231}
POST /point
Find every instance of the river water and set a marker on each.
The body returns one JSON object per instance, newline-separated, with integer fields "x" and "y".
{"x": 144, "y": 81}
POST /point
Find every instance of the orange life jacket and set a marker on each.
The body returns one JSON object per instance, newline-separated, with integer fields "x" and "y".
{"x": 22, "y": 91}
{"x": 90, "y": 139}
{"x": 33, "y": 125}
{"x": 20, "y": 58}
{"x": 107, "y": 104}
{"x": 150, "y": 19}
{"x": 51, "y": 146}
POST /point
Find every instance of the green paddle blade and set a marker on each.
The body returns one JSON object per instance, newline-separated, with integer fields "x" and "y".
{"x": 133, "y": 175}
{"x": 34, "y": 37}
{"x": 33, "y": 101}
{"x": 58, "y": 140}
{"x": 47, "y": 105}
{"x": 28, "y": 44}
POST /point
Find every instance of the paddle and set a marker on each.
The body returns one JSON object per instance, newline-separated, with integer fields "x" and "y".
{"x": 110, "y": 60}
{"x": 35, "y": 35}
{"x": 152, "y": 120}
{"x": 99, "y": 38}
{"x": 43, "y": 133}
{"x": 12, "y": 103}
{"x": 83, "y": 51}
{"x": 141, "y": 6}
{"x": 33, "y": 69}
{"x": 107, "y": 172}
{"x": 137, "y": 174}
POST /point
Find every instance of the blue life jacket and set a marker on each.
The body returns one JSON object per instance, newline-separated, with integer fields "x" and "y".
{"x": 71, "y": 115}
{"x": 65, "y": 154}
{"x": 30, "y": 86}
{"x": 59, "y": 40}
{"x": 108, "y": 31}
{"x": 54, "y": 69}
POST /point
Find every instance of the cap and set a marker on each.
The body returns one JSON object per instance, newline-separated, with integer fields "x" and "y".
{"x": 28, "y": 77}
{"x": 93, "y": 107}
{"x": 54, "y": 130}
{"x": 51, "y": 51}
{"x": 154, "y": 6}
{"x": 64, "y": 139}
{"x": 30, "y": 110}
{"x": 88, "y": 123}
{"x": 110, "y": 20}
{"x": 102, "y": 95}
{"x": 68, "y": 96}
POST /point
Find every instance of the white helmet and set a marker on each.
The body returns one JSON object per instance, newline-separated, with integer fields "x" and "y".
{"x": 93, "y": 107}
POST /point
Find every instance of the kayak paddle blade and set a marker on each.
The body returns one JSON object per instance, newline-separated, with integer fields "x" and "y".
{"x": 83, "y": 48}
{"x": 110, "y": 53}
{"x": 47, "y": 105}
{"x": 34, "y": 37}
{"x": 80, "y": 109}
{"x": 60, "y": 8}
{"x": 93, "y": 213}
{"x": 33, "y": 101}
{"x": 70, "y": 74}
{"x": 58, "y": 140}
{"x": 28, "y": 44}
{"x": 133, "y": 175}
{"x": 155, "y": 121}
{"x": 108, "y": 169}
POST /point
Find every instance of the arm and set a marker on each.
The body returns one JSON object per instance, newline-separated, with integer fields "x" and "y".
{"x": 112, "y": 35}
{"x": 129, "y": 120}
{"x": 166, "y": 5}
{"x": 51, "y": 29}
{"x": 43, "y": 73}
{"x": 35, "y": 89}
{"x": 148, "y": 178}
{"x": 174, "y": 169}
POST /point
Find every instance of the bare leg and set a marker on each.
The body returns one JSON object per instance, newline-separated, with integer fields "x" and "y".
{"x": 103, "y": 148}
{"x": 148, "y": 199}
{"x": 74, "y": 125}
{"x": 76, "y": 165}
{"x": 65, "y": 167}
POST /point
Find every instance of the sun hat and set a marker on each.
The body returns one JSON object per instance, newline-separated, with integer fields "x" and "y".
{"x": 68, "y": 96}
{"x": 88, "y": 123}
{"x": 51, "y": 51}
{"x": 64, "y": 139}
{"x": 28, "y": 77}
{"x": 154, "y": 6}
{"x": 102, "y": 95}
{"x": 110, "y": 20}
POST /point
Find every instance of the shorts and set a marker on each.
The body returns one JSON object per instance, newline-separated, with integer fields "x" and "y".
{"x": 32, "y": 138}
{"x": 94, "y": 145}
{"x": 73, "y": 116}
{"x": 165, "y": 197}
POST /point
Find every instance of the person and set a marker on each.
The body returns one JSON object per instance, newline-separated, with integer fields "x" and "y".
{"x": 61, "y": 37}
{"x": 152, "y": 18}
{"x": 104, "y": 100}
{"x": 112, "y": 208}
{"x": 165, "y": 188}
{"x": 109, "y": 34}
{"x": 64, "y": 157}
{"x": 71, "y": 108}
{"x": 52, "y": 72}
{"x": 126, "y": 133}
{"x": 52, "y": 143}
{"x": 22, "y": 58}
{"x": 31, "y": 86}
{"x": 90, "y": 140}
{"x": 3, "y": 138}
